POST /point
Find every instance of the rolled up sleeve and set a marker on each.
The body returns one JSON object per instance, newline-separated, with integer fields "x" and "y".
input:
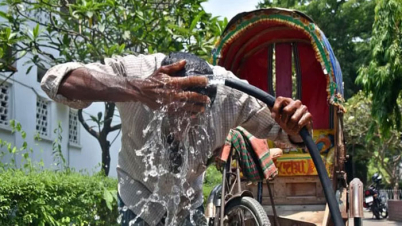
{"x": 134, "y": 66}
{"x": 51, "y": 82}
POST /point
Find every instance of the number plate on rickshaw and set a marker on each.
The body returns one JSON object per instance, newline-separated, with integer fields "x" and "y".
{"x": 369, "y": 199}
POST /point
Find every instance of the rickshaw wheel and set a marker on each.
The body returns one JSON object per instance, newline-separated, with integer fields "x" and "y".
{"x": 245, "y": 211}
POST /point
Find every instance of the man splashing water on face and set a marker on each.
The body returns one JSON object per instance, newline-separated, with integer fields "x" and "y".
{"x": 171, "y": 124}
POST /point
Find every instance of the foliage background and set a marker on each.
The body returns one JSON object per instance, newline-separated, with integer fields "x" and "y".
{"x": 50, "y": 32}
{"x": 57, "y": 198}
{"x": 32, "y": 195}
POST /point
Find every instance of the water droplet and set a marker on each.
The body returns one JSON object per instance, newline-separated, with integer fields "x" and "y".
{"x": 153, "y": 173}
{"x": 175, "y": 189}
{"x": 202, "y": 137}
{"x": 138, "y": 192}
{"x": 176, "y": 200}
{"x": 191, "y": 149}
{"x": 190, "y": 192}
{"x": 198, "y": 142}
{"x": 125, "y": 208}
{"x": 131, "y": 181}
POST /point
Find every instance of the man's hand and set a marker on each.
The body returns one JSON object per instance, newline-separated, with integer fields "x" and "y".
{"x": 156, "y": 91}
{"x": 291, "y": 115}
{"x": 160, "y": 89}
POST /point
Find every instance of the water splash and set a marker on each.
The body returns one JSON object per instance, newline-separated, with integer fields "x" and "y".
{"x": 195, "y": 146}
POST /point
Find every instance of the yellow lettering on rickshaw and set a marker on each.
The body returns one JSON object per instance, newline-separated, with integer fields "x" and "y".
{"x": 296, "y": 162}
{"x": 295, "y": 167}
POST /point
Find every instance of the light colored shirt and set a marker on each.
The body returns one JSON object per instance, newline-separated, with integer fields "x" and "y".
{"x": 137, "y": 186}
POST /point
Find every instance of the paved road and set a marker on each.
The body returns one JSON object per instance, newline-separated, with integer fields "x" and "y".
{"x": 370, "y": 221}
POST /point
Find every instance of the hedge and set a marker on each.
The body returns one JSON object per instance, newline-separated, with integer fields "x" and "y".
{"x": 57, "y": 198}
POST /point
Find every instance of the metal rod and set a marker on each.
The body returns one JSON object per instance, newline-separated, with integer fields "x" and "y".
{"x": 271, "y": 197}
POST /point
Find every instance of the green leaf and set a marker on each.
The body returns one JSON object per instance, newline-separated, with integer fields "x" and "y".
{"x": 29, "y": 69}
{"x": 196, "y": 20}
{"x": 24, "y": 145}
{"x": 121, "y": 48}
{"x": 4, "y": 15}
{"x": 12, "y": 35}
{"x": 181, "y": 30}
{"x": 126, "y": 35}
{"x": 18, "y": 127}
{"x": 89, "y": 14}
{"x": 101, "y": 27}
{"x": 107, "y": 196}
{"x": 99, "y": 116}
{"x": 22, "y": 53}
{"x": 93, "y": 118}
{"x": 35, "y": 31}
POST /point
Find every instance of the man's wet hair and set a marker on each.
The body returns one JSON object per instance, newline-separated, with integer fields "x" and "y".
{"x": 194, "y": 66}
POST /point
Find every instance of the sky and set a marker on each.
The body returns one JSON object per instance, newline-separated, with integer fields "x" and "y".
{"x": 229, "y": 8}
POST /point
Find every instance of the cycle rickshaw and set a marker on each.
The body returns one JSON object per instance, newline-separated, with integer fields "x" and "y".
{"x": 284, "y": 53}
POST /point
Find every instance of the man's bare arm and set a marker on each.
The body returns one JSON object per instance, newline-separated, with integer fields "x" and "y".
{"x": 155, "y": 91}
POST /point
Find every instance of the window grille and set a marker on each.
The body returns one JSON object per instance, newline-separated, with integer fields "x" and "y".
{"x": 42, "y": 116}
{"x": 4, "y": 104}
{"x": 73, "y": 132}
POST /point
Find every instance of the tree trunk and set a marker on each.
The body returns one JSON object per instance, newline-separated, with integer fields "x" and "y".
{"x": 105, "y": 145}
{"x": 101, "y": 135}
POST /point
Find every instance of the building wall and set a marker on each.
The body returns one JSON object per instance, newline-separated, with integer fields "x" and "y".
{"x": 23, "y": 94}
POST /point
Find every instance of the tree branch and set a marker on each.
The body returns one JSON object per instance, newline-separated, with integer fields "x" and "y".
{"x": 85, "y": 125}
{"x": 5, "y": 80}
{"x": 115, "y": 127}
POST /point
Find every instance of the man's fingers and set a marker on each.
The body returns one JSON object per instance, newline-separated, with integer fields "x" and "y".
{"x": 187, "y": 82}
{"x": 293, "y": 123}
{"x": 290, "y": 110}
{"x": 173, "y": 68}
{"x": 191, "y": 97}
{"x": 306, "y": 120}
{"x": 277, "y": 108}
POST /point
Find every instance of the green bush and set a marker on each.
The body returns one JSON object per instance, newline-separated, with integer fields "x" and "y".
{"x": 212, "y": 178}
{"x": 57, "y": 198}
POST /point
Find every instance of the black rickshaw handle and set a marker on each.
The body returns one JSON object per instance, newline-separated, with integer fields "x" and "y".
{"x": 308, "y": 141}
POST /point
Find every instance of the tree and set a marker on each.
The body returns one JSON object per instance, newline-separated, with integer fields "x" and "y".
{"x": 383, "y": 75}
{"x": 347, "y": 25}
{"x": 88, "y": 31}
{"x": 367, "y": 143}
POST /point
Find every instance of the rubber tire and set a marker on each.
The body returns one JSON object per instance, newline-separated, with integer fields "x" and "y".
{"x": 253, "y": 205}
{"x": 376, "y": 212}
{"x": 386, "y": 213}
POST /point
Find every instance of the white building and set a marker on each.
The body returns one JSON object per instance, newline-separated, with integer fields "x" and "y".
{"x": 22, "y": 99}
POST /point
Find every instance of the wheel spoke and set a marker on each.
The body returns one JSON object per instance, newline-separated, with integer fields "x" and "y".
{"x": 242, "y": 216}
